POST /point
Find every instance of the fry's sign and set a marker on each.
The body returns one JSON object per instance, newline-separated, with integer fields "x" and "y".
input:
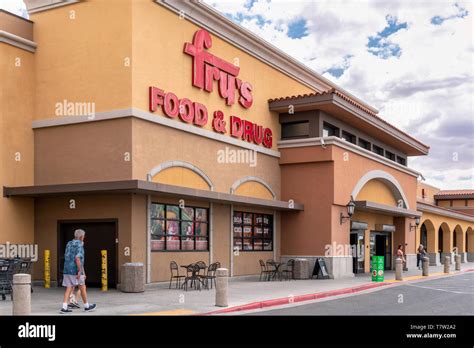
{"x": 207, "y": 69}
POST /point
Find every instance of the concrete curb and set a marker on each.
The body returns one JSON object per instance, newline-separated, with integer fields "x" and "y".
{"x": 316, "y": 296}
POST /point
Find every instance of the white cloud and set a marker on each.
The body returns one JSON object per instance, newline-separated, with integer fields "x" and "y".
{"x": 17, "y": 7}
{"x": 427, "y": 91}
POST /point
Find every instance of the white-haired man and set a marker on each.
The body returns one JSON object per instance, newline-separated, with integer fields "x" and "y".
{"x": 73, "y": 274}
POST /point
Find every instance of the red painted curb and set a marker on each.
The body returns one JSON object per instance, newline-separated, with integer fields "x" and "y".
{"x": 299, "y": 298}
{"x": 302, "y": 298}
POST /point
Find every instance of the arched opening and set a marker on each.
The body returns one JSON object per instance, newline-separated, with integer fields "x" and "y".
{"x": 428, "y": 239}
{"x": 389, "y": 180}
{"x": 424, "y": 236}
{"x": 458, "y": 239}
{"x": 470, "y": 244}
{"x": 252, "y": 186}
{"x": 180, "y": 173}
{"x": 445, "y": 241}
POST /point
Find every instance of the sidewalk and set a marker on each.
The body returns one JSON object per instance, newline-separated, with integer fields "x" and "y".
{"x": 159, "y": 300}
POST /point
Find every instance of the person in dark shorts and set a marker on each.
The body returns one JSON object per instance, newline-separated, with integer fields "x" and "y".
{"x": 74, "y": 274}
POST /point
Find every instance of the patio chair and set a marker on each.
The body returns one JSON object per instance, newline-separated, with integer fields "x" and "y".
{"x": 211, "y": 275}
{"x": 175, "y": 273}
{"x": 271, "y": 268}
{"x": 264, "y": 271}
{"x": 288, "y": 271}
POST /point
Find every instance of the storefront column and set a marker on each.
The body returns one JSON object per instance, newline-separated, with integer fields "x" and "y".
{"x": 274, "y": 236}
{"x": 211, "y": 232}
{"x": 231, "y": 240}
{"x": 405, "y": 236}
{"x": 148, "y": 239}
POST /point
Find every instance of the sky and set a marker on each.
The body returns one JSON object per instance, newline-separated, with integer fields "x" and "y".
{"x": 412, "y": 60}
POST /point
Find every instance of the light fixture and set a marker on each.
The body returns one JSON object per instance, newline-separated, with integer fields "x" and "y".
{"x": 350, "y": 211}
{"x": 417, "y": 222}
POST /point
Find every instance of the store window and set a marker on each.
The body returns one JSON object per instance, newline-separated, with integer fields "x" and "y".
{"x": 402, "y": 161}
{"x": 295, "y": 130}
{"x": 378, "y": 150}
{"x": 329, "y": 130}
{"x": 253, "y": 232}
{"x": 349, "y": 137}
{"x": 364, "y": 144}
{"x": 175, "y": 228}
{"x": 390, "y": 155}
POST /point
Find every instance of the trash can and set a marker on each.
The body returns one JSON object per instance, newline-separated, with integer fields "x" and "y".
{"x": 301, "y": 269}
{"x": 132, "y": 277}
{"x": 377, "y": 268}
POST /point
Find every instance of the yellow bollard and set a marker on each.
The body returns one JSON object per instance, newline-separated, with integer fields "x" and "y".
{"x": 104, "y": 270}
{"x": 47, "y": 269}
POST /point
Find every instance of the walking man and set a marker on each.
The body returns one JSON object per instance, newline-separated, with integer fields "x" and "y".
{"x": 74, "y": 274}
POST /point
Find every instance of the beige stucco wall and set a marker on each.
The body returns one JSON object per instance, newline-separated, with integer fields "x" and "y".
{"x": 17, "y": 78}
{"x": 434, "y": 221}
{"x": 84, "y": 55}
{"x": 159, "y": 61}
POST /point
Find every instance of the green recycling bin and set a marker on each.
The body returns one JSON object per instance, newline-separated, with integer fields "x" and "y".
{"x": 377, "y": 268}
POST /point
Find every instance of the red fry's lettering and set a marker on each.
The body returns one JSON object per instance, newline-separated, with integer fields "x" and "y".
{"x": 200, "y": 115}
{"x": 207, "y": 68}
{"x": 236, "y": 129}
{"x": 227, "y": 88}
{"x": 171, "y": 105}
{"x": 155, "y": 98}
{"x": 246, "y": 99}
{"x": 218, "y": 124}
{"x": 186, "y": 110}
{"x": 267, "y": 138}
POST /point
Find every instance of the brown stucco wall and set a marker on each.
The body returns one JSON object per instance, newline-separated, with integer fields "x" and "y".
{"x": 49, "y": 210}
{"x": 84, "y": 152}
{"x": 324, "y": 179}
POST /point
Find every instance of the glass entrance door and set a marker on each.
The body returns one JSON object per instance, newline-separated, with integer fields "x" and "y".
{"x": 381, "y": 245}
{"x": 358, "y": 248}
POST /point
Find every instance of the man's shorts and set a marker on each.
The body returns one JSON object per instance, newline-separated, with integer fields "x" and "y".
{"x": 71, "y": 280}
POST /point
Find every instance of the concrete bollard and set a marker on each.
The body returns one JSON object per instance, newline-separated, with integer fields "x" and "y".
{"x": 21, "y": 294}
{"x": 426, "y": 266}
{"x": 457, "y": 259}
{"x": 398, "y": 269}
{"x": 447, "y": 261}
{"x": 222, "y": 284}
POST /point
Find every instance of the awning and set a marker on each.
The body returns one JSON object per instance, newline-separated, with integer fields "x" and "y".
{"x": 385, "y": 209}
{"x": 146, "y": 188}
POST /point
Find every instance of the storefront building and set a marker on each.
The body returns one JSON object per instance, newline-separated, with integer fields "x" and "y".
{"x": 167, "y": 132}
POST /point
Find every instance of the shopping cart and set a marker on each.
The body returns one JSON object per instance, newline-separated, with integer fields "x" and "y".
{"x": 7, "y": 269}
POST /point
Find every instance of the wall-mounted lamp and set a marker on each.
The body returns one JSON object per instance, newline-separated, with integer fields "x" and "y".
{"x": 417, "y": 222}
{"x": 350, "y": 211}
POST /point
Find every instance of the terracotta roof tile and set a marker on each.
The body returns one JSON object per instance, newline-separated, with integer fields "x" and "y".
{"x": 349, "y": 100}
{"x": 454, "y": 192}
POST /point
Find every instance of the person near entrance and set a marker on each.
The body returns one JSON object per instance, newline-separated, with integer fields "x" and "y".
{"x": 74, "y": 274}
{"x": 421, "y": 253}
{"x": 400, "y": 254}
